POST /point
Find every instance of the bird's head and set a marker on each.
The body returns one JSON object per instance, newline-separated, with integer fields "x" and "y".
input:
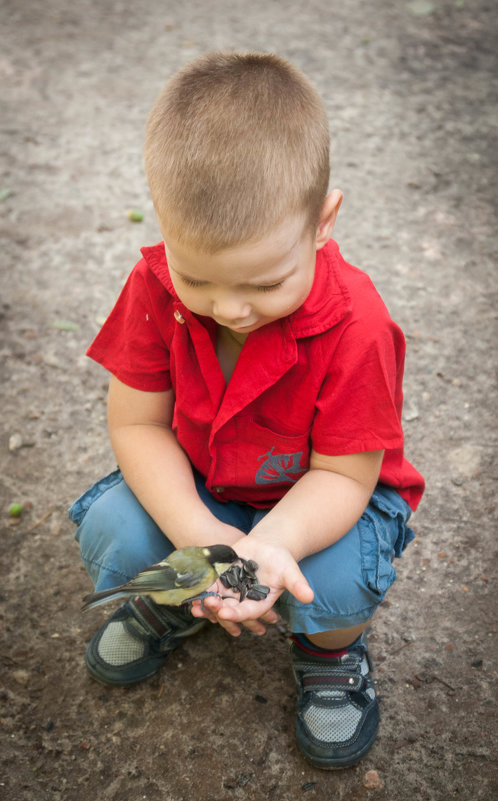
{"x": 220, "y": 556}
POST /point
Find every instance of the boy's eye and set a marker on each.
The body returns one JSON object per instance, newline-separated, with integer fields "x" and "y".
{"x": 191, "y": 282}
{"x": 263, "y": 288}
{"x": 270, "y": 287}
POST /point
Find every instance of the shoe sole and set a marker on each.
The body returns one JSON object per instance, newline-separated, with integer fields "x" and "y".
{"x": 326, "y": 763}
{"x": 96, "y": 673}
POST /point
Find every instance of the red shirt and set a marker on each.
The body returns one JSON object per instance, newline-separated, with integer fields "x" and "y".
{"x": 327, "y": 377}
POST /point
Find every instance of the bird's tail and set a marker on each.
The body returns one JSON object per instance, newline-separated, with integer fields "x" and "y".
{"x": 97, "y": 598}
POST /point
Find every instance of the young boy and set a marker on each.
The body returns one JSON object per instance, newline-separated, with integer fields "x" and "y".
{"x": 255, "y": 399}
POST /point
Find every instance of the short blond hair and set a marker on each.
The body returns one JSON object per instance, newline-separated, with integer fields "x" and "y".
{"x": 235, "y": 143}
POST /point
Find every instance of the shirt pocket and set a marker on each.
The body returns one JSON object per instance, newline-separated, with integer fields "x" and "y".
{"x": 271, "y": 458}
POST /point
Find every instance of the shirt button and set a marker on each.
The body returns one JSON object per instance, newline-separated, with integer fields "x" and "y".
{"x": 219, "y": 489}
{"x": 178, "y": 317}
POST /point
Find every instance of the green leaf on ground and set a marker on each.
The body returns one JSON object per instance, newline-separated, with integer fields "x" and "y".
{"x": 421, "y": 8}
{"x": 65, "y": 325}
{"x": 135, "y": 216}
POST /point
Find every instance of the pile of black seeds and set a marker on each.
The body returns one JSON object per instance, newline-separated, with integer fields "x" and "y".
{"x": 242, "y": 579}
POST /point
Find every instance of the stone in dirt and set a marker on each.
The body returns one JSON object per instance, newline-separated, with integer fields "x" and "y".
{"x": 372, "y": 780}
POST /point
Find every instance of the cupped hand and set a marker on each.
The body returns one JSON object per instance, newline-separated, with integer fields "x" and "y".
{"x": 277, "y": 569}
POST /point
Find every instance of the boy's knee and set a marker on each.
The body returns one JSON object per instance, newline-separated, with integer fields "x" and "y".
{"x": 117, "y": 537}
{"x": 113, "y": 515}
{"x": 342, "y": 594}
{"x": 352, "y": 576}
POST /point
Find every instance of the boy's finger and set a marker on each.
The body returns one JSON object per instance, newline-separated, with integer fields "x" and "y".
{"x": 295, "y": 582}
{"x": 231, "y": 628}
{"x": 247, "y": 610}
{"x": 270, "y": 617}
{"x": 302, "y": 591}
{"x": 212, "y": 603}
{"x": 198, "y": 611}
{"x": 255, "y": 626}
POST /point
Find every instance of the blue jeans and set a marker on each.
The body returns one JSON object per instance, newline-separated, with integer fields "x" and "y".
{"x": 118, "y": 539}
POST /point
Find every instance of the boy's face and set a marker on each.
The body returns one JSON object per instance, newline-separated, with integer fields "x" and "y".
{"x": 250, "y": 285}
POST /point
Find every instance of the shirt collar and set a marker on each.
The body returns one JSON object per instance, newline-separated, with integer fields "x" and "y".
{"x": 329, "y": 300}
{"x": 326, "y": 305}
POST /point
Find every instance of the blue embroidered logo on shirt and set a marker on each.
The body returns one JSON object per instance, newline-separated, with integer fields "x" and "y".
{"x": 279, "y": 467}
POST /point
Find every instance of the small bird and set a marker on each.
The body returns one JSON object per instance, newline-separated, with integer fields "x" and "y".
{"x": 182, "y": 577}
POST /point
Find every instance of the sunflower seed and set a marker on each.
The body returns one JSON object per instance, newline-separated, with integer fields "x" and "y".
{"x": 225, "y": 581}
{"x": 233, "y": 580}
{"x": 242, "y": 579}
{"x": 255, "y": 595}
{"x": 261, "y": 588}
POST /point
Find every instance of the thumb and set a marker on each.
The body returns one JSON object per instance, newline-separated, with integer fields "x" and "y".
{"x": 298, "y": 586}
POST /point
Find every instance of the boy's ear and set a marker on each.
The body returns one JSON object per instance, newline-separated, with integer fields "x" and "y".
{"x": 328, "y": 217}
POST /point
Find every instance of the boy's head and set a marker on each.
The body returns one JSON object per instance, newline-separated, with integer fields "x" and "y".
{"x": 234, "y": 145}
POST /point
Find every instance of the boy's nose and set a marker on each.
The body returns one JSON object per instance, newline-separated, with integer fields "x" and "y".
{"x": 229, "y": 309}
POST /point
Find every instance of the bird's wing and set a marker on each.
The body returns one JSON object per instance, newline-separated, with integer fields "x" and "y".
{"x": 162, "y": 577}
{"x": 97, "y": 598}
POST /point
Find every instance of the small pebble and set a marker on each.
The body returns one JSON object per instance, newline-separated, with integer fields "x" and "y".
{"x": 15, "y": 442}
{"x": 21, "y": 676}
{"x": 411, "y": 414}
{"x": 372, "y": 780}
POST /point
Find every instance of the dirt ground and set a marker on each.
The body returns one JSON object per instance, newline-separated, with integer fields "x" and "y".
{"x": 409, "y": 90}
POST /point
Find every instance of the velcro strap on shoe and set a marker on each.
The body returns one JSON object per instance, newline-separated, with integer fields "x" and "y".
{"x": 159, "y": 621}
{"x": 147, "y": 616}
{"x": 345, "y": 683}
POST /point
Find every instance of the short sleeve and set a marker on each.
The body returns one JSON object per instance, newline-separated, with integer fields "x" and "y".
{"x": 359, "y": 405}
{"x": 132, "y": 343}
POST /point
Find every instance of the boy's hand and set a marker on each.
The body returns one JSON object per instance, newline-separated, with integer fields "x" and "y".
{"x": 277, "y": 569}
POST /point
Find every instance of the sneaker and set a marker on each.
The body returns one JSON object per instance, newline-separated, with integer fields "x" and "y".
{"x": 337, "y": 710}
{"x": 136, "y": 640}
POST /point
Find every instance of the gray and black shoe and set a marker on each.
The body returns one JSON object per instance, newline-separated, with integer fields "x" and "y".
{"x": 136, "y": 640}
{"x": 337, "y": 710}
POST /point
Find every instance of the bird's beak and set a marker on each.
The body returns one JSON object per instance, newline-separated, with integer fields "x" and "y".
{"x": 220, "y": 567}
